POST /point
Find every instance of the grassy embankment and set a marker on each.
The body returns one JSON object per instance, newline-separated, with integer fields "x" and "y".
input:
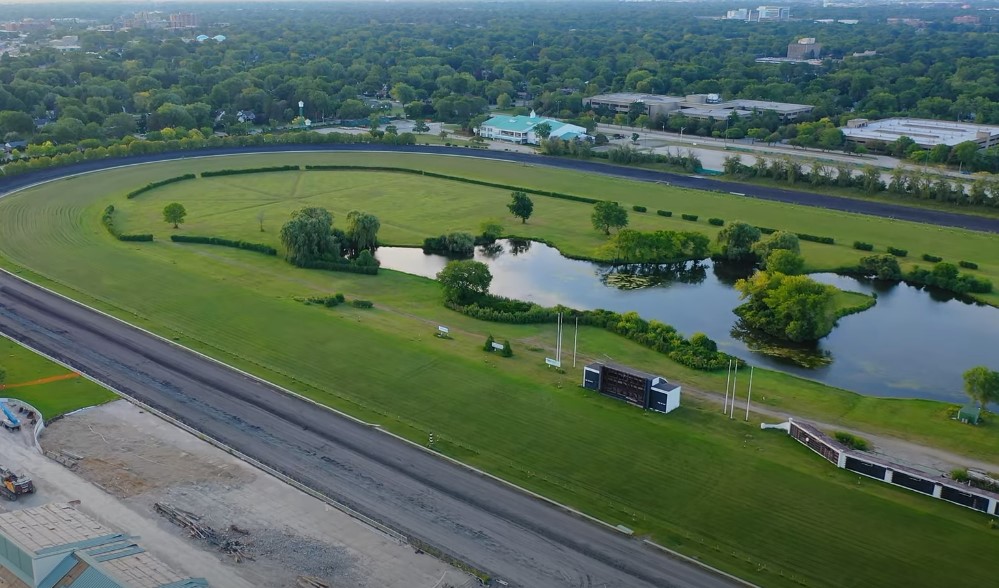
{"x": 50, "y": 398}
{"x": 720, "y": 490}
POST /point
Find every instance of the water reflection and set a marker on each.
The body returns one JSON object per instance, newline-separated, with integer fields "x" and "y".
{"x": 913, "y": 343}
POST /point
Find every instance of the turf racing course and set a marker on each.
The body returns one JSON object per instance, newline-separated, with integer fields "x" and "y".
{"x": 124, "y": 272}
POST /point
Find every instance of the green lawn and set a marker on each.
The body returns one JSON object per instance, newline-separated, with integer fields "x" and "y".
{"x": 756, "y": 504}
{"x": 51, "y": 398}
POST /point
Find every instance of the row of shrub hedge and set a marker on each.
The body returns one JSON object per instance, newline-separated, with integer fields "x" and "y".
{"x": 338, "y": 299}
{"x": 699, "y": 352}
{"x": 968, "y": 264}
{"x": 638, "y": 208}
{"x": 258, "y": 247}
{"x": 816, "y": 239}
{"x": 665, "y": 213}
{"x": 335, "y": 266}
{"x": 689, "y": 217}
{"x": 716, "y": 222}
{"x": 107, "y": 219}
{"x": 249, "y": 170}
{"x": 863, "y": 246}
{"x": 152, "y": 185}
{"x": 898, "y": 252}
{"x": 932, "y": 258}
{"x": 767, "y": 230}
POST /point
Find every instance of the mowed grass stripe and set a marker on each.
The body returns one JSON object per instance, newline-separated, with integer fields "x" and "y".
{"x": 692, "y": 479}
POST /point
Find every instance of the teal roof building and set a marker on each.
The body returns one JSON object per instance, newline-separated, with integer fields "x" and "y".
{"x": 57, "y": 546}
{"x": 522, "y": 129}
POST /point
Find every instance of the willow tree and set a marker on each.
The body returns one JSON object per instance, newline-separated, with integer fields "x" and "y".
{"x": 362, "y": 232}
{"x": 309, "y": 235}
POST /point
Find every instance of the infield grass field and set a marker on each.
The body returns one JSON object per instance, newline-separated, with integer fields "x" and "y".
{"x": 754, "y": 503}
{"x": 27, "y": 373}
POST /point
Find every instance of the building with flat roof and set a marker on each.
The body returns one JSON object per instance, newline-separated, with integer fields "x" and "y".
{"x": 522, "y": 129}
{"x": 632, "y": 386}
{"x": 805, "y": 48}
{"x": 694, "y": 105}
{"x": 764, "y": 13}
{"x": 926, "y": 133}
{"x": 57, "y": 546}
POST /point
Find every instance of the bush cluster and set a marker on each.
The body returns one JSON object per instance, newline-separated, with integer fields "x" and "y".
{"x": 851, "y": 441}
{"x": 258, "y": 247}
{"x": 689, "y": 217}
{"x": 699, "y": 352}
{"x": 638, "y": 208}
{"x": 362, "y": 304}
{"x": 863, "y": 246}
{"x": 335, "y": 266}
{"x": 968, "y": 264}
{"x": 328, "y": 301}
{"x": 664, "y": 213}
{"x": 716, "y": 222}
{"x": 898, "y": 252}
{"x": 153, "y": 185}
{"x": 249, "y": 170}
{"x": 946, "y": 276}
{"x": 107, "y": 219}
{"x": 451, "y": 245}
{"x": 815, "y": 239}
{"x": 931, "y": 258}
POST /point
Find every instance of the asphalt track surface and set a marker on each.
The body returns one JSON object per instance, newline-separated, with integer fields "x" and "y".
{"x": 511, "y": 535}
{"x": 868, "y": 207}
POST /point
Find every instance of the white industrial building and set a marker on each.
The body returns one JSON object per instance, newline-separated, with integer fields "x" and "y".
{"x": 926, "y": 133}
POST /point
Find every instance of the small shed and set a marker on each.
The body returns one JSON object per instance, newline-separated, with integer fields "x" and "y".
{"x": 970, "y": 414}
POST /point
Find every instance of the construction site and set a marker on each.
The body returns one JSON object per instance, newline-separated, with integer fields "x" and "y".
{"x": 205, "y": 513}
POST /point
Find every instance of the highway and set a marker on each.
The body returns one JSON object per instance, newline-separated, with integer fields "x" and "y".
{"x": 511, "y": 535}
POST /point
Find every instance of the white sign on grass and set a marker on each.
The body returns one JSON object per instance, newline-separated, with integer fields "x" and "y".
{"x": 498, "y": 346}
{"x": 443, "y": 330}
{"x": 553, "y": 362}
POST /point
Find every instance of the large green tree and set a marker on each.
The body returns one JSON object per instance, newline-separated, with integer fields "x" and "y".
{"x": 362, "y": 232}
{"x": 737, "y": 240}
{"x": 174, "y": 213}
{"x": 521, "y": 206}
{"x": 982, "y": 385}
{"x": 309, "y": 235}
{"x": 780, "y": 240}
{"x": 609, "y": 215}
{"x": 793, "y": 308}
{"x": 464, "y": 281}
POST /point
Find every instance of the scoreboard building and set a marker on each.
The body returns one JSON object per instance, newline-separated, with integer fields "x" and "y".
{"x": 632, "y": 386}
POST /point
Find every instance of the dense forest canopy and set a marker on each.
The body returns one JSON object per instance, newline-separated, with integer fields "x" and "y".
{"x": 449, "y": 61}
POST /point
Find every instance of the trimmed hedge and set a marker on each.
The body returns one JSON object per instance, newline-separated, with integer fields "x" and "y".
{"x": 335, "y": 266}
{"x": 249, "y": 170}
{"x": 328, "y": 301}
{"x": 362, "y": 304}
{"x": 898, "y": 252}
{"x": 664, "y": 213}
{"x": 153, "y": 185}
{"x": 716, "y": 222}
{"x": 689, "y": 217}
{"x": 107, "y": 219}
{"x": 638, "y": 208}
{"x": 968, "y": 264}
{"x": 863, "y": 246}
{"x": 767, "y": 230}
{"x": 931, "y": 258}
{"x": 258, "y": 247}
{"x": 815, "y": 239}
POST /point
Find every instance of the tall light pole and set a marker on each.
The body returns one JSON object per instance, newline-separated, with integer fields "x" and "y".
{"x": 682, "y": 129}
{"x": 301, "y": 113}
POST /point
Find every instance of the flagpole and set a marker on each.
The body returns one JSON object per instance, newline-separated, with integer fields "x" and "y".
{"x": 750, "y": 397}
{"x": 575, "y": 340}
{"x": 728, "y": 381}
{"x": 735, "y": 380}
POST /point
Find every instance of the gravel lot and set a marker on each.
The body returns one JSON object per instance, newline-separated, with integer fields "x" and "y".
{"x": 129, "y": 458}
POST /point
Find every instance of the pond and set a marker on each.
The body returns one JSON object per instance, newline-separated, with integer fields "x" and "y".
{"x": 914, "y": 343}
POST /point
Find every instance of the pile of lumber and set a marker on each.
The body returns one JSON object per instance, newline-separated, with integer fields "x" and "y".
{"x": 196, "y": 528}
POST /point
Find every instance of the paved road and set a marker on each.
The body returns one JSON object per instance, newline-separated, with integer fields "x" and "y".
{"x": 525, "y": 541}
{"x": 869, "y": 207}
